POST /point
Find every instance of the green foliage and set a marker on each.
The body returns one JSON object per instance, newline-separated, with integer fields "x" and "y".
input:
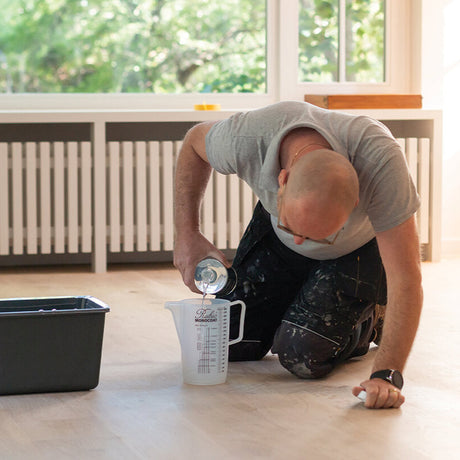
{"x": 159, "y": 46}
{"x": 174, "y": 46}
{"x": 365, "y": 48}
{"x": 319, "y": 40}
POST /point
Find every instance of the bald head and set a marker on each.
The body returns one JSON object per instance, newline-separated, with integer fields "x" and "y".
{"x": 321, "y": 192}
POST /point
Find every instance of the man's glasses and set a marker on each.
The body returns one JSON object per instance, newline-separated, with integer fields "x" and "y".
{"x": 330, "y": 242}
{"x": 323, "y": 241}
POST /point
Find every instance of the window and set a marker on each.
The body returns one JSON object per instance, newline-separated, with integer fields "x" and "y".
{"x": 348, "y": 46}
{"x": 125, "y": 46}
{"x": 342, "y": 41}
{"x": 174, "y": 53}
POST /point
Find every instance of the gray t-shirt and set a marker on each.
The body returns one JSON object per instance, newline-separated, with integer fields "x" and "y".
{"x": 247, "y": 144}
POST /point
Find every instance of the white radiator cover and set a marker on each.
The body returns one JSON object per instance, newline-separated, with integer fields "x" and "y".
{"x": 417, "y": 153}
{"x": 141, "y": 193}
{"x": 46, "y": 207}
{"x": 45, "y": 197}
{"x": 97, "y": 186}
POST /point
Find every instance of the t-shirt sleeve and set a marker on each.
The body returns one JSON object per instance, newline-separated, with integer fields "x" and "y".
{"x": 394, "y": 197}
{"x": 233, "y": 148}
{"x": 219, "y": 147}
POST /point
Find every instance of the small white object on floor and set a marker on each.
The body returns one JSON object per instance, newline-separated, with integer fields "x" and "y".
{"x": 362, "y": 396}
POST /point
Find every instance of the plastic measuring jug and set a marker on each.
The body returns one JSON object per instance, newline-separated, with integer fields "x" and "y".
{"x": 203, "y": 327}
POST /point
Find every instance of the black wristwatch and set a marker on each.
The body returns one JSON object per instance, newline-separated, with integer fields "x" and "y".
{"x": 390, "y": 375}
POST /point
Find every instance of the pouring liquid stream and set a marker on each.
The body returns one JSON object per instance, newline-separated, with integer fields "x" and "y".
{"x": 208, "y": 276}
{"x": 205, "y": 288}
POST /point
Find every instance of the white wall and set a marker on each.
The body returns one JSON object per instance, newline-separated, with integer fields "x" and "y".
{"x": 440, "y": 81}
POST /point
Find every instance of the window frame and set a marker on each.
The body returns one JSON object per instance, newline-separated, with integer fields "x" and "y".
{"x": 400, "y": 60}
{"x": 282, "y": 71}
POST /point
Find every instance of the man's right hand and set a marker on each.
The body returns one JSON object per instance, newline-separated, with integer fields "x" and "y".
{"x": 189, "y": 250}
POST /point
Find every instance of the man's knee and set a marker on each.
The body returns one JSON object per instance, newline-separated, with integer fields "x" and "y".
{"x": 304, "y": 352}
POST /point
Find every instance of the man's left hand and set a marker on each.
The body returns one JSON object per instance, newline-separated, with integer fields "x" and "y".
{"x": 380, "y": 394}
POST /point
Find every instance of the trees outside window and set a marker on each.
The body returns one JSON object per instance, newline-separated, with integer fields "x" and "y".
{"x": 265, "y": 49}
{"x": 342, "y": 41}
{"x": 126, "y": 46}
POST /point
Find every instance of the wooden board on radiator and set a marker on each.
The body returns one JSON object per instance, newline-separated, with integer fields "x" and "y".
{"x": 365, "y": 101}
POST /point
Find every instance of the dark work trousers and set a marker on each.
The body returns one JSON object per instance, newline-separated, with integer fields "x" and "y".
{"x": 312, "y": 313}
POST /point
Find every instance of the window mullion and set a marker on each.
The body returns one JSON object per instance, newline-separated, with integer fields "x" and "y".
{"x": 288, "y": 49}
{"x": 342, "y": 58}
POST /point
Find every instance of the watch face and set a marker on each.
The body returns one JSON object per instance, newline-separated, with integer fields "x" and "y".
{"x": 390, "y": 375}
{"x": 397, "y": 379}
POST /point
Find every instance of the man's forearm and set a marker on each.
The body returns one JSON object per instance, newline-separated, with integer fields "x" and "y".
{"x": 192, "y": 176}
{"x": 401, "y": 323}
{"x": 400, "y": 251}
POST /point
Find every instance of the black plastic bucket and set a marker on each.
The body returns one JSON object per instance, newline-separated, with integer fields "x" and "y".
{"x": 50, "y": 344}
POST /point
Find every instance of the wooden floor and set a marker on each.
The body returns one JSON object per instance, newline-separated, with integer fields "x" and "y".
{"x": 142, "y": 410}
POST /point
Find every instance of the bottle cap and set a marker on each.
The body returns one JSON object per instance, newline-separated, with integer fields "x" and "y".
{"x": 211, "y": 277}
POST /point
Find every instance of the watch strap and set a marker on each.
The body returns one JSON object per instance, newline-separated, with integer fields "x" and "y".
{"x": 390, "y": 375}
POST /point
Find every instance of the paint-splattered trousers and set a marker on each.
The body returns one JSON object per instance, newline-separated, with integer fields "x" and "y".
{"x": 313, "y": 314}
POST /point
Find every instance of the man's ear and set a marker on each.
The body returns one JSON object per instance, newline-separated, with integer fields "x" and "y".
{"x": 282, "y": 177}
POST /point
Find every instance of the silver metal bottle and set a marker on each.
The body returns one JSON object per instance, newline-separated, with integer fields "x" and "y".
{"x": 212, "y": 277}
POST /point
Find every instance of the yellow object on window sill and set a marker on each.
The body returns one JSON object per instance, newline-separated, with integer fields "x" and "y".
{"x": 207, "y": 106}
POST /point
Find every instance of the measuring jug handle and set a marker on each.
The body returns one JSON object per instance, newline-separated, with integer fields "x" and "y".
{"x": 242, "y": 315}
